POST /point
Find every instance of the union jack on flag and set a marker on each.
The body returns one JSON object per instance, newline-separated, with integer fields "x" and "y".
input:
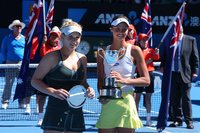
{"x": 170, "y": 45}
{"x": 145, "y": 22}
{"x": 35, "y": 29}
{"x": 49, "y": 18}
{"x": 177, "y": 28}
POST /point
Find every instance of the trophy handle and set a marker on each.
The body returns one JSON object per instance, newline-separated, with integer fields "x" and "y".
{"x": 122, "y": 54}
{"x": 99, "y": 49}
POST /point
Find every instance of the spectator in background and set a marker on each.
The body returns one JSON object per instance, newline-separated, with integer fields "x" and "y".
{"x": 132, "y": 34}
{"x": 13, "y": 52}
{"x": 185, "y": 67}
{"x": 51, "y": 44}
{"x": 149, "y": 55}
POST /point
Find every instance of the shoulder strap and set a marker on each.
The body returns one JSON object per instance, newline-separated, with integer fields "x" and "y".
{"x": 79, "y": 58}
{"x": 59, "y": 61}
{"x": 59, "y": 56}
{"x": 128, "y": 50}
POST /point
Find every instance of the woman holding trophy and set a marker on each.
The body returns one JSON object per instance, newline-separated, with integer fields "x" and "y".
{"x": 64, "y": 69}
{"x": 119, "y": 113}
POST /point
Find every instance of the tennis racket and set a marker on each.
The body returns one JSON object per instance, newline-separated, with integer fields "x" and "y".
{"x": 77, "y": 96}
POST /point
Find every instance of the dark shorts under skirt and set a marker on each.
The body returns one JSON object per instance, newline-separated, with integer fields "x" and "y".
{"x": 59, "y": 120}
{"x": 148, "y": 89}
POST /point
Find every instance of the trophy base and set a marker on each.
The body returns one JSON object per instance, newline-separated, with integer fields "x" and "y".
{"x": 110, "y": 98}
{"x": 108, "y": 92}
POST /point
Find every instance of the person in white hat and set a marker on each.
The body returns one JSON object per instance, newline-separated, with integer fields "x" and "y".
{"x": 16, "y": 23}
{"x": 12, "y": 50}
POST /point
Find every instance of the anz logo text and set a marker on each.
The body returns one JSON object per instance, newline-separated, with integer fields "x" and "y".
{"x": 105, "y": 18}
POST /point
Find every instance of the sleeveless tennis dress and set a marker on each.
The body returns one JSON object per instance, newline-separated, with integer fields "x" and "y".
{"x": 121, "y": 113}
{"x": 59, "y": 115}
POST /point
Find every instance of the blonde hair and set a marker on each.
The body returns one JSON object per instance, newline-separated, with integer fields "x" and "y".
{"x": 68, "y": 22}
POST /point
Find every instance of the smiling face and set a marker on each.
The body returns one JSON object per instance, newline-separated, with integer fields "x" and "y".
{"x": 71, "y": 41}
{"x": 120, "y": 31}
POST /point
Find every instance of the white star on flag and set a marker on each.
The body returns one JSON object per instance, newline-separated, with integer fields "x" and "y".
{"x": 19, "y": 81}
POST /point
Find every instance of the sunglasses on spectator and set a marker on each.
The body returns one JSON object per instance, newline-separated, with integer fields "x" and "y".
{"x": 18, "y": 26}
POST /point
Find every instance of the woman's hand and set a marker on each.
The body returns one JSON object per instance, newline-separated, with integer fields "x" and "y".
{"x": 118, "y": 77}
{"x": 90, "y": 93}
{"x": 61, "y": 94}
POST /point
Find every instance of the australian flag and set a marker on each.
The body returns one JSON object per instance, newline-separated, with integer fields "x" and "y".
{"x": 49, "y": 18}
{"x": 170, "y": 44}
{"x": 48, "y": 24}
{"x": 145, "y": 22}
{"x": 35, "y": 28}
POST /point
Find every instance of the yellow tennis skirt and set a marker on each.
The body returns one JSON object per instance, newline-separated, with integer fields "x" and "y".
{"x": 119, "y": 113}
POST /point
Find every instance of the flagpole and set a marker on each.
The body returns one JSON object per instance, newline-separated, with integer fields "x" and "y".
{"x": 171, "y": 24}
{"x": 44, "y": 17}
{"x": 169, "y": 28}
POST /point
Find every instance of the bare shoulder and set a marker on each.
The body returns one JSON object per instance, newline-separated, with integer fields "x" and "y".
{"x": 50, "y": 58}
{"x": 48, "y": 62}
{"x": 135, "y": 50}
{"x": 51, "y": 55}
{"x": 135, "y": 47}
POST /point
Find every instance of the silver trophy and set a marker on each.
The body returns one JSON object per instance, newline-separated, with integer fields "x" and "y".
{"x": 111, "y": 89}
